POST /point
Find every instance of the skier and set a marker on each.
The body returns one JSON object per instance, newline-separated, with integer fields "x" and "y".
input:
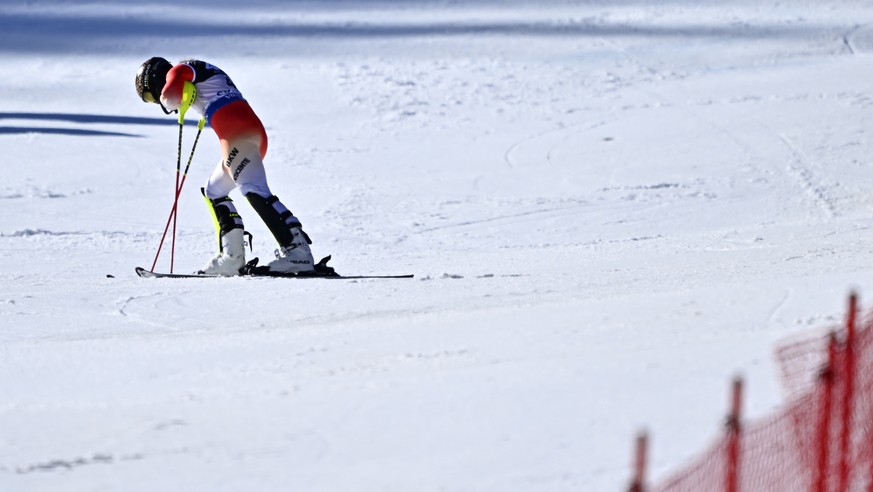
{"x": 243, "y": 145}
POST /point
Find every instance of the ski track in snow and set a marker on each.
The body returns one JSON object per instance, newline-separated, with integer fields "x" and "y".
{"x": 544, "y": 144}
{"x": 799, "y": 170}
{"x": 609, "y": 209}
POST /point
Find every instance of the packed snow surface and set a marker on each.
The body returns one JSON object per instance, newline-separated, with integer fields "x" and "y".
{"x": 610, "y": 207}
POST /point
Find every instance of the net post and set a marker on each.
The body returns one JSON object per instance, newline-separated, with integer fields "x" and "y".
{"x": 826, "y": 383}
{"x": 734, "y": 429}
{"x": 640, "y": 461}
{"x": 848, "y": 380}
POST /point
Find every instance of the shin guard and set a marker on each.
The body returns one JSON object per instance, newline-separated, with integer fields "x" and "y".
{"x": 276, "y": 216}
{"x": 224, "y": 215}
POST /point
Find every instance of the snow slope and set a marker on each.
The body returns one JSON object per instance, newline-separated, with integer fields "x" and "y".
{"x": 610, "y": 207}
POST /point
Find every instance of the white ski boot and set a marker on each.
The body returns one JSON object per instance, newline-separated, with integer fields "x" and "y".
{"x": 232, "y": 257}
{"x": 296, "y": 257}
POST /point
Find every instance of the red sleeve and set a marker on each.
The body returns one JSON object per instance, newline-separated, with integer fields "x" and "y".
{"x": 171, "y": 96}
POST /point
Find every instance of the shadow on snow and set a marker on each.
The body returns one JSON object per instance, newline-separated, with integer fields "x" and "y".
{"x": 21, "y": 130}
{"x": 46, "y": 32}
{"x": 80, "y": 118}
{"x": 91, "y": 118}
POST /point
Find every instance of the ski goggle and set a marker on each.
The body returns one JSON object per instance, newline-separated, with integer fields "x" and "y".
{"x": 148, "y": 97}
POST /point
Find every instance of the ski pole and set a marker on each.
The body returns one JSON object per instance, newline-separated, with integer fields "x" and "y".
{"x": 189, "y": 92}
{"x": 175, "y": 194}
{"x": 176, "y": 191}
{"x": 200, "y": 125}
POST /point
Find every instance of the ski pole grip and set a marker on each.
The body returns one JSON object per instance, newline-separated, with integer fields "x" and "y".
{"x": 189, "y": 92}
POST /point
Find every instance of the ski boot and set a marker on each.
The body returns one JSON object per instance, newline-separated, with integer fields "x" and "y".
{"x": 231, "y": 256}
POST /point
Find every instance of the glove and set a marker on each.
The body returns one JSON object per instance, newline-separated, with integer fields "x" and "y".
{"x": 189, "y": 93}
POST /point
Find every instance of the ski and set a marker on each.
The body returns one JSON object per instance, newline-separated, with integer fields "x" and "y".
{"x": 252, "y": 270}
{"x": 142, "y": 272}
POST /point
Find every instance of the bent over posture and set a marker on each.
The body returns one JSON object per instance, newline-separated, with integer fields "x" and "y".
{"x": 243, "y": 145}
